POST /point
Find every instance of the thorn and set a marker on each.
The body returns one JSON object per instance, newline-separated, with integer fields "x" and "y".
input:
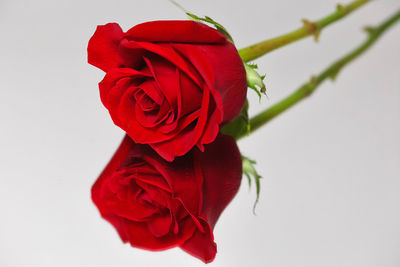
{"x": 334, "y": 76}
{"x": 369, "y": 29}
{"x": 312, "y": 27}
{"x": 316, "y": 36}
{"x": 309, "y": 24}
{"x": 339, "y": 7}
{"x": 310, "y": 86}
{"x": 313, "y": 80}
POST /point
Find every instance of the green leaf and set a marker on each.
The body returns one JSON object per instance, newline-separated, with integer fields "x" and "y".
{"x": 240, "y": 125}
{"x": 205, "y": 19}
{"x": 251, "y": 173}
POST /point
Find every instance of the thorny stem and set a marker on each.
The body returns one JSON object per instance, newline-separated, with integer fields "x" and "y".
{"x": 309, "y": 28}
{"x": 308, "y": 88}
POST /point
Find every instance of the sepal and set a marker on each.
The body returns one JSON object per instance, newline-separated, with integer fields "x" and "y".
{"x": 240, "y": 125}
{"x": 207, "y": 20}
{"x": 254, "y": 79}
{"x": 251, "y": 174}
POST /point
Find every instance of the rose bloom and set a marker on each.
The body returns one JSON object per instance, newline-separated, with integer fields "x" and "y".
{"x": 156, "y": 205}
{"x": 169, "y": 84}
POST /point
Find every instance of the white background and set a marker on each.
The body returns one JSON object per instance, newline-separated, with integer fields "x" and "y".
{"x": 331, "y": 165}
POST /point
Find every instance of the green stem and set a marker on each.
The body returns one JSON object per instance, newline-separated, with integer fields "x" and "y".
{"x": 309, "y": 28}
{"x": 308, "y": 88}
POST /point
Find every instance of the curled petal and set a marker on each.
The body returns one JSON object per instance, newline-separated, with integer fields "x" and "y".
{"x": 185, "y": 31}
{"x": 201, "y": 245}
{"x": 110, "y": 91}
{"x": 223, "y": 71}
{"x": 103, "y": 46}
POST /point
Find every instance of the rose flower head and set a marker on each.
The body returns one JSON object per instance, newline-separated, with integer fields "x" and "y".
{"x": 169, "y": 84}
{"x": 156, "y": 205}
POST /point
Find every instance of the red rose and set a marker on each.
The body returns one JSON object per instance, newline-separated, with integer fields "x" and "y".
{"x": 156, "y": 205}
{"x": 169, "y": 84}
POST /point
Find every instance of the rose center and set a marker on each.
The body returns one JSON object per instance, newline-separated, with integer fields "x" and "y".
{"x": 145, "y": 102}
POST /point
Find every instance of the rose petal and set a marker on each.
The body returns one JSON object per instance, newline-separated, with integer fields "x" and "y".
{"x": 138, "y": 234}
{"x": 115, "y": 83}
{"x": 160, "y": 225}
{"x": 151, "y": 90}
{"x": 167, "y": 52}
{"x": 201, "y": 245}
{"x": 118, "y": 158}
{"x": 164, "y": 74}
{"x": 221, "y": 166}
{"x": 191, "y": 95}
{"x": 131, "y": 209}
{"x": 224, "y": 73}
{"x": 103, "y": 46}
{"x": 185, "y": 31}
{"x": 180, "y": 176}
{"x": 186, "y": 140}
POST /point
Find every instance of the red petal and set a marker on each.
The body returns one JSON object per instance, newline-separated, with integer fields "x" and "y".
{"x": 164, "y": 74}
{"x": 184, "y": 31}
{"x": 169, "y": 53}
{"x": 103, "y": 46}
{"x": 221, "y": 165}
{"x": 116, "y": 161}
{"x": 221, "y": 67}
{"x": 182, "y": 143}
{"x": 138, "y": 235}
{"x": 184, "y": 183}
{"x": 160, "y": 225}
{"x": 201, "y": 245}
{"x": 111, "y": 88}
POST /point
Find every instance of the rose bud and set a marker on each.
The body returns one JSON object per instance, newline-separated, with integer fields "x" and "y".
{"x": 156, "y": 205}
{"x": 169, "y": 84}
